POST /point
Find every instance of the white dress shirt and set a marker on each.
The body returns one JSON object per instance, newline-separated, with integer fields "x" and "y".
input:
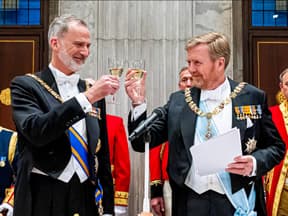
{"x": 223, "y": 122}
{"x": 67, "y": 86}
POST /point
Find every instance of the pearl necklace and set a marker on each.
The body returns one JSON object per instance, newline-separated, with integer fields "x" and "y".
{"x": 216, "y": 110}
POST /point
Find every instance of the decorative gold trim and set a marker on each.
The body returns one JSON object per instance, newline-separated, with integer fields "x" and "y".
{"x": 121, "y": 198}
{"x": 9, "y": 196}
{"x": 121, "y": 194}
{"x": 12, "y": 147}
{"x": 47, "y": 87}
{"x": 280, "y": 98}
{"x": 283, "y": 174}
{"x": 98, "y": 147}
{"x": 121, "y": 201}
{"x": 156, "y": 182}
{"x": 216, "y": 110}
{"x": 162, "y": 150}
{"x": 24, "y": 41}
{"x": 5, "y": 96}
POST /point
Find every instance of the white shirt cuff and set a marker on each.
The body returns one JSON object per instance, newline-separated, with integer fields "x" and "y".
{"x": 7, "y": 206}
{"x": 138, "y": 111}
{"x": 254, "y": 167}
{"x": 84, "y": 103}
{"x": 120, "y": 210}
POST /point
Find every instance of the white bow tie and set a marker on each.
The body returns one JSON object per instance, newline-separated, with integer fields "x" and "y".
{"x": 214, "y": 95}
{"x": 71, "y": 80}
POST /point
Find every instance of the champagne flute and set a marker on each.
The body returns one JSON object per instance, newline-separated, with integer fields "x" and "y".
{"x": 115, "y": 67}
{"x": 138, "y": 67}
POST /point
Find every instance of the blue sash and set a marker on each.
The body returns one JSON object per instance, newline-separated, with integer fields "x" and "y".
{"x": 80, "y": 153}
{"x": 79, "y": 149}
{"x": 99, "y": 193}
{"x": 244, "y": 206}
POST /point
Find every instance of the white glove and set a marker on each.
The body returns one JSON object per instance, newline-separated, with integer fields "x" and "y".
{"x": 121, "y": 210}
{"x": 7, "y": 206}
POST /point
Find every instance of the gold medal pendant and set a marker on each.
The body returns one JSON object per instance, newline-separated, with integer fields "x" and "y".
{"x": 208, "y": 134}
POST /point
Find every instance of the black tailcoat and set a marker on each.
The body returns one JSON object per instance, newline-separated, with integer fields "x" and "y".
{"x": 42, "y": 123}
{"x": 178, "y": 127}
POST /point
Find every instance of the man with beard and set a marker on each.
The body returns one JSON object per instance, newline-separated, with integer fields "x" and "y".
{"x": 62, "y": 135}
{"x": 214, "y": 106}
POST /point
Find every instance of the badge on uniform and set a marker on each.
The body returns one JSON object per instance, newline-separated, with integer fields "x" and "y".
{"x": 96, "y": 112}
{"x": 250, "y": 145}
{"x": 3, "y": 161}
{"x": 248, "y": 111}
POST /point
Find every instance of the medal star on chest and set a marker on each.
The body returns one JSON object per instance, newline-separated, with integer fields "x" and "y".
{"x": 250, "y": 145}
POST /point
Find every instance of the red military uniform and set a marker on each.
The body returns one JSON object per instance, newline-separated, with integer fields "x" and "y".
{"x": 276, "y": 178}
{"x": 119, "y": 159}
{"x": 158, "y": 164}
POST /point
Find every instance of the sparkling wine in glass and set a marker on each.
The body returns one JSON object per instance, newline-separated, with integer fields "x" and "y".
{"x": 115, "y": 67}
{"x": 138, "y": 66}
{"x": 116, "y": 71}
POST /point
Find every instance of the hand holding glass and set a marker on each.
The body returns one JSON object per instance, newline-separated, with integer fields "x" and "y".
{"x": 137, "y": 66}
{"x": 115, "y": 67}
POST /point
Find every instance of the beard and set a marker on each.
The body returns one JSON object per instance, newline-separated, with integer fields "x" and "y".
{"x": 69, "y": 62}
{"x": 198, "y": 82}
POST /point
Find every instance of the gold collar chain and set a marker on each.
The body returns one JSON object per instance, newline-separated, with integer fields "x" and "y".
{"x": 49, "y": 89}
{"x": 284, "y": 109}
{"x": 216, "y": 110}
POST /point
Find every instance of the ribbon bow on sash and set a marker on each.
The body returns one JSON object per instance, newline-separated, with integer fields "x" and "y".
{"x": 80, "y": 153}
{"x": 244, "y": 206}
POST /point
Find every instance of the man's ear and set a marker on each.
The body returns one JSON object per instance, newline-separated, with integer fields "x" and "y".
{"x": 221, "y": 62}
{"x": 54, "y": 43}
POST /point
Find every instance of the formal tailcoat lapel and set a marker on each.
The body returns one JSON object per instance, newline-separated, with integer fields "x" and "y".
{"x": 91, "y": 122}
{"x": 92, "y": 126}
{"x": 237, "y": 181}
{"x": 48, "y": 78}
{"x": 188, "y": 120}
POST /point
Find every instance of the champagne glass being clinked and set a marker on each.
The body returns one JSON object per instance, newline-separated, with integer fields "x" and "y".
{"x": 138, "y": 67}
{"x": 115, "y": 67}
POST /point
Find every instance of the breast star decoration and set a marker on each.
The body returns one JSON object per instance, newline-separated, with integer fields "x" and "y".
{"x": 250, "y": 145}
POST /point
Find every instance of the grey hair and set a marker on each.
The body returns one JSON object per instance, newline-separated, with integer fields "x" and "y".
{"x": 282, "y": 74}
{"x": 183, "y": 69}
{"x": 60, "y": 25}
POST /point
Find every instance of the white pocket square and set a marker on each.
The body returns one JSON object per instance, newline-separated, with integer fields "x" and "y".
{"x": 249, "y": 123}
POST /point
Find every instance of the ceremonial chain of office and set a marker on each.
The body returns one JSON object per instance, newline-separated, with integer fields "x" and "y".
{"x": 216, "y": 110}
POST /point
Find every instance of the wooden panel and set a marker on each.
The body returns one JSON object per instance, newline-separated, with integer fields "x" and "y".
{"x": 270, "y": 59}
{"x": 18, "y": 55}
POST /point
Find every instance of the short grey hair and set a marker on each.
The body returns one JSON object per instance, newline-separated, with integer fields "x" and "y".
{"x": 60, "y": 25}
{"x": 282, "y": 74}
{"x": 183, "y": 69}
